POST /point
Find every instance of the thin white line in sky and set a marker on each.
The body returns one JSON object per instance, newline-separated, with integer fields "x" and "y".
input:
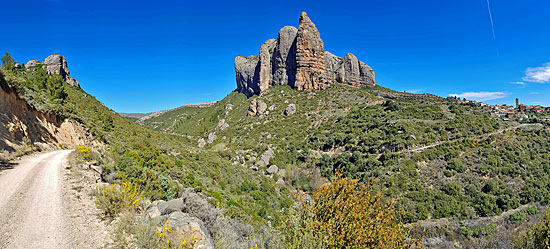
{"x": 492, "y": 24}
{"x": 491, "y": 18}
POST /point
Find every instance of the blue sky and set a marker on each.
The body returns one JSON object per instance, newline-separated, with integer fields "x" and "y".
{"x": 142, "y": 56}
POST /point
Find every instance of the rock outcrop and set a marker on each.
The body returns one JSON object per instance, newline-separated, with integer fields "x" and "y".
{"x": 183, "y": 225}
{"x": 55, "y": 64}
{"x": 284, "y": 66}
{"x": 248, "y": 69}
{"x": 290, "y": 109}
{"x": 266, "y": 53}
{"x": 256, "y": 107}
{"x": 32, "y": 63}
{"x": 297, "y": 58}
{"x": 310, "y": 57}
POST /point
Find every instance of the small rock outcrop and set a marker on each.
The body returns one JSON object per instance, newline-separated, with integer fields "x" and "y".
{"x": 32, "y": 63}
{"x": 201, "y": 143}
{"x": 290, "y": 109}
{"x": 272, "y": 169}
{"x": 256, "y": 107}
{"x": 211, "y": 138}
{"x": 297, "y": 58}
{"x": 182, "y": 222}
{"x": 265, "y": 157}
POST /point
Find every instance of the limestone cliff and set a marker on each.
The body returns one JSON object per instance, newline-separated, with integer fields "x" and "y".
{"x": 297, "y": 58}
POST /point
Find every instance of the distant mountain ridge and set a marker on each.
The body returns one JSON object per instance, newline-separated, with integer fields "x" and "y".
{"x": 144, "y": 116}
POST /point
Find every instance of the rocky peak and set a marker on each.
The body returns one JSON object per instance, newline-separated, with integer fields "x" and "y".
{"x": 310, "y": 56}
{"x": 247, "y": 70}
{"x": 266, "y": 53}
{"x": 55, "y": 64}
{"x": 284, "y": 66}
{"x": 297, "y": 58}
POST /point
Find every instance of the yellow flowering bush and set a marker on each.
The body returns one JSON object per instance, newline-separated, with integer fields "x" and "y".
{"x": 171, "y": 240}
{"x": 346, "y": 214}
{"x": 83, "y": 151}
{"x": 114, "y": 198}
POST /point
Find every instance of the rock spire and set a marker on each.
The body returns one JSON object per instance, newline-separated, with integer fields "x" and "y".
{"x": 297, "y": 58}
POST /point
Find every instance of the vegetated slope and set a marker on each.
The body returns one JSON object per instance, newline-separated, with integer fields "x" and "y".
{"x": 442, "y": 159}
{"x": 21, "y": 124}
{"x": 161, "y": 165}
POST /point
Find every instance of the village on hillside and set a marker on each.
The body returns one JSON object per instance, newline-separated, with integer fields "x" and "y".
{"x": 519, "y": 112}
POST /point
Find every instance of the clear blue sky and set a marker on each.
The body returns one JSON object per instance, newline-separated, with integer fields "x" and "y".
{"x": 141, "y": 56}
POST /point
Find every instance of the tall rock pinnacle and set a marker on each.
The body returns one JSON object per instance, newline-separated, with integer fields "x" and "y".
{"x": 310, "y": 56}
{"x": 297, "y": 58}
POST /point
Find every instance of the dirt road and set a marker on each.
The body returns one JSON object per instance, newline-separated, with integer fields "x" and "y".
{"x": 35, "y": 207}
{"x": 481, "y": 137}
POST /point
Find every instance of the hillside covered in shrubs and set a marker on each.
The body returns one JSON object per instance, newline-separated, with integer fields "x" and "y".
{"x": 442, "y": 158}
{"x": 308, "y": 169}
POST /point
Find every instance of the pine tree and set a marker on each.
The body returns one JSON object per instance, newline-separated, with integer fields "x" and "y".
{"x": 8, "y": 62}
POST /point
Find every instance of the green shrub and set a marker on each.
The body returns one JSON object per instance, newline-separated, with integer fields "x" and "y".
{"x": 538, "y": 235}
{"x": 517, "y": 217}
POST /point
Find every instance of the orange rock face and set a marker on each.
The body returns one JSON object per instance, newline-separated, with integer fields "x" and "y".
{"x": 310, "y": 57}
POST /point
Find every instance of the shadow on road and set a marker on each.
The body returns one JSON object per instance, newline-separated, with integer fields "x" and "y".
{"x": 6, "y": 165}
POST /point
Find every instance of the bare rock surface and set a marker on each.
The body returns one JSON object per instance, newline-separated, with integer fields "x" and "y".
{"x": 256, "y": 107}
{"x": 297, "y": 58}
{"x": 351, "y": 68}
{"x": 247, "y": 72}
{"x": 191, "y": 227}
{"x": 265, "y": 157}
{"x": 266, "y": 53}
{"x": 335, "y": 67}
{"x": 201, "y": 143}
{"x": 167, "y": 207}
{"x": 272, "y": 169}
{"x": 57, "y": 64}
{"x": 284, "y": 59}
{"x": 310, "y": 56}
{"x": 290, "y": 109}
{"x": 211, "y": 138}
{"x": 31, "y": 63}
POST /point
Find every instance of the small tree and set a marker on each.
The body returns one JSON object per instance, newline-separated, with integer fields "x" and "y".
{"x": 55, "y": 87}
{"x": 8, "y": 62}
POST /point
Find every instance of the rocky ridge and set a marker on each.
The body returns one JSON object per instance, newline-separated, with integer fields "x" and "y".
{"x": 55, "y": 64}
{"x": 297, "y": 58}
